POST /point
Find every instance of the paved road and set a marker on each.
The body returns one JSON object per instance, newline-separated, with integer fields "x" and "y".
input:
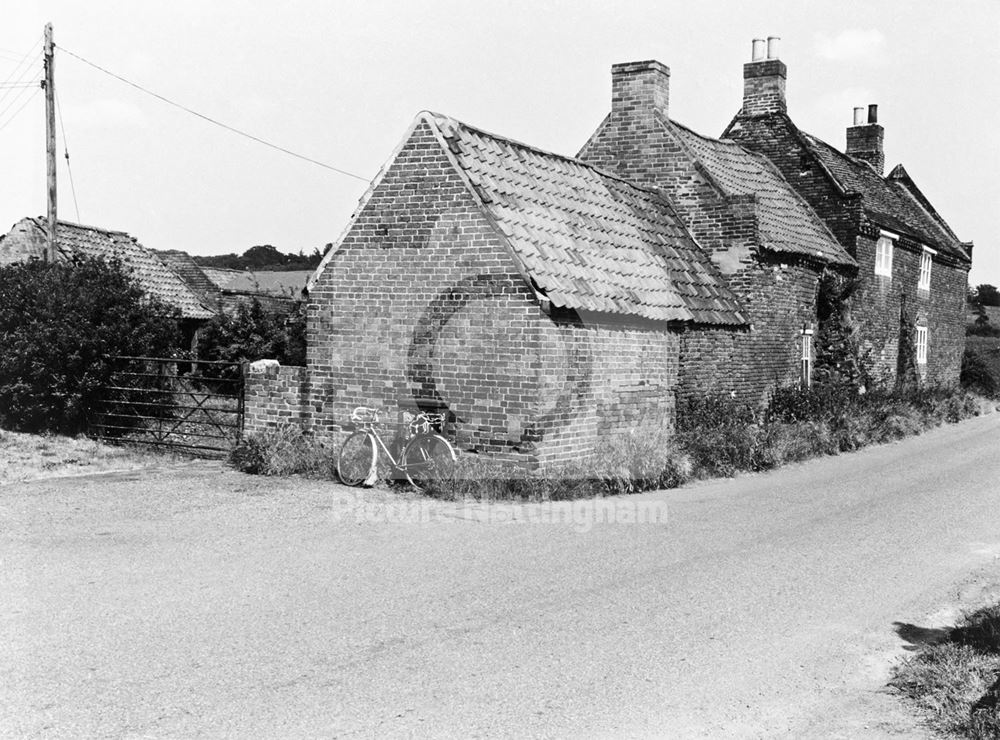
{"x": 193, "y": 600}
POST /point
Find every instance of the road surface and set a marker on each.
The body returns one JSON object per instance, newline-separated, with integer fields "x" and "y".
{"x": 198, "y": 601}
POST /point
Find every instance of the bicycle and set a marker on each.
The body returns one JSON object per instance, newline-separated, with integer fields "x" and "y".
{"x": 424, "y": 457}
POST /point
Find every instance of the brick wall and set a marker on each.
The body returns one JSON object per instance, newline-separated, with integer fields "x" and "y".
{"x": 422, "y": 306}
{"x": 780, "y": 298}
{"x": 275, "y": 396}
{"x": 876, "y": 303}
{"x": 779, "y": 294}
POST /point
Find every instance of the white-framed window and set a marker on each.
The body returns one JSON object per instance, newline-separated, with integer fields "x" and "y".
{"x": 921, "y": 345}
{"x": 807, "y": 353}
{"x": 883, "y": 254}
{"x": 926, "y": 260}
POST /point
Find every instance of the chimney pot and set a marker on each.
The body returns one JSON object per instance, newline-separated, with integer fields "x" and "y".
{"x": 772, "y": 46}
{"x": 758, "y": 50}
{"x": 864, "y": 139}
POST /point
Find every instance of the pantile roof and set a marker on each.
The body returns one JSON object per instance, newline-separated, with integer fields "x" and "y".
{"x": 892, "y": 202}
{"x": 588, "y": 239}
{"x": 144, "y": 265}
{"x": 786, "y": 222}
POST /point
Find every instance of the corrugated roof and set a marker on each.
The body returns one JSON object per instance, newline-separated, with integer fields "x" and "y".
{"x": 144, "y": 265}
{"x": 887, "y": 201}
{"x": 786, "y": 222}
{"x": 588, "y": 239}
{"x": 278, "y": 283}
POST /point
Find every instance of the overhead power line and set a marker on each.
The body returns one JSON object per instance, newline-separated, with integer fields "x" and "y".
{"x": 21, "y": 89}
{"x": 13, "y": 115}
{"x": 69, "y": 169}
{"x": 212, "y": 120}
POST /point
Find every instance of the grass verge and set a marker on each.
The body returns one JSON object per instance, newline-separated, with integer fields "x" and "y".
{"x": 716, "y": 437}
{"x": 33, "y": 456}
{"x": 956, "y": 682}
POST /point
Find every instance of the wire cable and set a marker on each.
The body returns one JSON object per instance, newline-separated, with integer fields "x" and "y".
{"x": 212, "y": 120}
{"x": 17, "y": 97}
{"x": 25, "y": 74}
{"x": 23, "y": 105}
{"x": 72, "y": 185}
{"x": 17, "y": 67}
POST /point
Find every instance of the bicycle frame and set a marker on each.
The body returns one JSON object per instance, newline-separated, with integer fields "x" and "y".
{"x": 403, "y": 434}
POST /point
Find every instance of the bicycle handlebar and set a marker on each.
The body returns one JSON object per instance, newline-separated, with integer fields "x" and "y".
{"x": 422, "y": 422}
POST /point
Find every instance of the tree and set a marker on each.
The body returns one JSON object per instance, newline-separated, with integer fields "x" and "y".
{"x": 59, "y": 323}
{"x": 987, "y": 295}
{"x": 252, "y": 333}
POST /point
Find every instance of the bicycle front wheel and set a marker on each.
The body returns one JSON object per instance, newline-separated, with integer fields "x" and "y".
{"x": 356, "y": 462}
{"x": 428, "y": 457}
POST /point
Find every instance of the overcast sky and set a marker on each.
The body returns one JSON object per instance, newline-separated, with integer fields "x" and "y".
{"x": 340, "y": 82}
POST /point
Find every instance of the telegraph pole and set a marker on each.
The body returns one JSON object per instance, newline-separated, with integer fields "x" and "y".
{"x": 49, "y": 86}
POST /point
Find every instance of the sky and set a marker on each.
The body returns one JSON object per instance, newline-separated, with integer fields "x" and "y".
{"x": 339, "y": 82}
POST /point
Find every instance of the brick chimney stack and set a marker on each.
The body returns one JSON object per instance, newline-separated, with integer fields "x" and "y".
{"x": 864, "y": 140}
{"x": 764, "y": 80}
{"x": 638, "y": 89}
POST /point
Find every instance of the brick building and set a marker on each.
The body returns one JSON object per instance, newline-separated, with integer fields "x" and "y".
{"x": 544, "y": 301}
{"x": 541, "y": 301}
{"x": 767, "y": 242}
{"x": 912, "y": 269}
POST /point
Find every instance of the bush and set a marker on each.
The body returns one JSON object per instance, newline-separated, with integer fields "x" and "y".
{"x": 285, "y": 450}
{"x": 979, "y": 375}
{"x": 58, "y": 323}
{"x": 253, "y": 333}
{"x": 722, "y": 436}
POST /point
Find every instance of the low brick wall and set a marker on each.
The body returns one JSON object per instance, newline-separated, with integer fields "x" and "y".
{"x": 275, "y": 396}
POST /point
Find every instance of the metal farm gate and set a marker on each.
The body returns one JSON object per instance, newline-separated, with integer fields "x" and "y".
{"x": 192, "y": 406}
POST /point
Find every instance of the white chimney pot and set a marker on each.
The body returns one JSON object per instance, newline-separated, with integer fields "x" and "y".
{"x": 772, "y": 46}
{"x": 859, "y": 116}
{"x": 758, "y": 50}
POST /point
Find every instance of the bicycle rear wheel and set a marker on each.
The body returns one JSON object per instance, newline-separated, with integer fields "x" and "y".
{"x": 356, "y": 462}
{"x": 428, "y": 457}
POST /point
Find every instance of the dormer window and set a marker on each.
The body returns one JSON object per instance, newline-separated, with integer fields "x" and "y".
{"x": 883, "y": 254}
{"x": 926, "y": 260}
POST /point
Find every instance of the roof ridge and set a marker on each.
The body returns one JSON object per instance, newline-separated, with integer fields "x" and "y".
{"x": 845, "y": 155}
{"x": 42, "y": 221}
{"x": 767, "y": 165}
{"x": 544, "y": 152}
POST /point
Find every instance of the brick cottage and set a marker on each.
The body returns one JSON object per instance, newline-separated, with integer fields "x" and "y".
{"x": 545, "y": 301}
{"x": 912, "y": 269}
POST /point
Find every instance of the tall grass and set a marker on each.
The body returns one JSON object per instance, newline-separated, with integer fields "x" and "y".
{"x": 957, "y": 681}
{"x": 715, "y": 437}
{"x": 284, "y": 450}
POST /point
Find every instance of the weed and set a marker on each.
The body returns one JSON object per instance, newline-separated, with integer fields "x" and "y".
{"x": 284, "y": 450}
{"x": 958, "y": 682}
